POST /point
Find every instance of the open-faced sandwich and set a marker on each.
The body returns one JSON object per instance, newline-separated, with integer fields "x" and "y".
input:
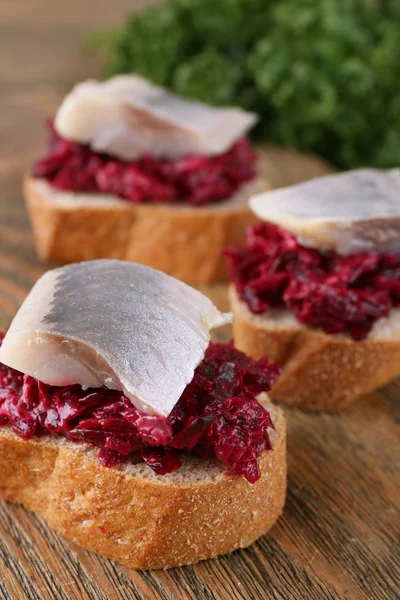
{"x": 316, "y": 287}
{"x": 137, "y": 173}
{"x": 126, "y": 429}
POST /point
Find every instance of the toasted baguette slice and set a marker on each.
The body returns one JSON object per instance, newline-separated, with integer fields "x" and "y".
{"x": 140, "y": 519}
{"x": 180, "y": 240}
{"x": 321, "y": 371}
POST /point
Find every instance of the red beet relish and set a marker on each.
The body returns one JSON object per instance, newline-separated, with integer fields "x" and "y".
{"x": 323, "y": 289}
{"x": 193, "y": 180}
{"x": 217, "y": 416}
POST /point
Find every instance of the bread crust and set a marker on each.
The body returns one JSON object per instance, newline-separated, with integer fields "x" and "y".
{"x": 321, "y": 371}
{"x": 183, "y": 241}
{"x": 142, "y": 520}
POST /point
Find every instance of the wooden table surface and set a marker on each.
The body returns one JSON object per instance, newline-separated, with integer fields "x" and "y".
{"x": 339, "y": 535}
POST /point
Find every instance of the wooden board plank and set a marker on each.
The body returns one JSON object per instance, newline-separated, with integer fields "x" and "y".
{"x": 338, "y": 538}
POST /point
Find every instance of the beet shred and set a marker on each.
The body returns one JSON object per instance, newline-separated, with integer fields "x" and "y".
{"x": 323, "y": 289}
{"x": 193, "y": 180}
{"x": 217, "y": 416}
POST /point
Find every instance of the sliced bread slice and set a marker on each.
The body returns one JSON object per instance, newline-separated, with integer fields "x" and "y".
{"x": 321, "y": 371}
{"x": 180, "y": 240}
{"x": 143, "y": 520}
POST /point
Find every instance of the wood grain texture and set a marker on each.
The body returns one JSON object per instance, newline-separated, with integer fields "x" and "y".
{"x": 339, "y": 536}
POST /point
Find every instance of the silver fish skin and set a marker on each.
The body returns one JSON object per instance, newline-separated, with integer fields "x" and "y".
{"x": 128, "y": 117}
{"x": 113, "y": 323}
{"x": 352, "y": 212}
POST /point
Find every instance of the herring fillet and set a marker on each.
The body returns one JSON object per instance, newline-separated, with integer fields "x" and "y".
{"x": 128, "y": 117}
{"x": 356, "y": 211}
{"x": 113, "y": 323}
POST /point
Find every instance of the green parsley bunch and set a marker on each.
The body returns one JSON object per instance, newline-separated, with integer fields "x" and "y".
{"x": 322, "y": 74}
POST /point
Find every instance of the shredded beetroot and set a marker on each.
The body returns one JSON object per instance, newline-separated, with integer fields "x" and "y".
{"x": 323, "y": 289}
{"x": 217, "y": 415}
{"x": 194, "y": 180}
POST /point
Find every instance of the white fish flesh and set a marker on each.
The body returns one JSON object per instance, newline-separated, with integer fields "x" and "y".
{"x": 356, "y": 211}
{"x": 129, "y": 117}
{"x": 113, "y": 323}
